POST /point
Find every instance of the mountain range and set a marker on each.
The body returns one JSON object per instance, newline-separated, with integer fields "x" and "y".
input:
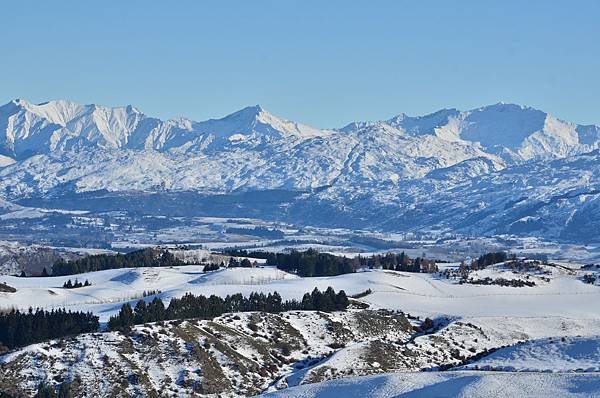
{"x": 497, "y": 169}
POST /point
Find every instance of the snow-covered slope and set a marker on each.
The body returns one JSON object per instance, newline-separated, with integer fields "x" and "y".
{"x": 566, "y": 354}
{"x": 451, "y": 384}
{"x": 446, "y": 169}
{"x": 235, "y": 355}
{"x": 55, "y": 126}
{"x": 546, "y": 327}
{"x": 424, "y": 294}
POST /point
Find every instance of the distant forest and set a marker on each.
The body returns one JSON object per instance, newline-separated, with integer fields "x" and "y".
{"x": 313, "y": 263}
{"x": 262, "y": 232}
{"x": 140, "y": 258}
{"x": 307, "y": 263}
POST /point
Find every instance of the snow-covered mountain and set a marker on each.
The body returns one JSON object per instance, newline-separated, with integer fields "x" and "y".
{"x": 447, "y": 169}
{"x": 57, "y": 126}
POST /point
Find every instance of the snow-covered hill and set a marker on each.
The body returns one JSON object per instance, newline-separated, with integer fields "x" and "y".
{"x": 235, "y": 355}
{"x": 473, "y": 329}
{"x": 499, "y": 168}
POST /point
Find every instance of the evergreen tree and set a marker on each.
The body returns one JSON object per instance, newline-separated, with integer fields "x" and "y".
{"x": 327, "y": 302}
{"x": 307, "y": 303}
{"x": 156, "y": 310}
{"x": 341, "y": 300}
{"x": 315, "y": 298}
{"x": 245, "y": 263}
{"x": 140, "y": 312}
{"x": 274, "y": 303}
{"x": 233, "y": 263}
{"x": 125, "y": 316}
{"x": 417, "y": 265}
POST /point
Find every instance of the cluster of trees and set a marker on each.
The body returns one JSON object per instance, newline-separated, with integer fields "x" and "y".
{"x": 70, "y": 285}
{"x": 191, "y": 306}
{"x": 326, "y": 301}
{"x": 312, "y": 263}
{"x": 398, "y": 262}
{"x": 140, "y": 258}
{"x": 213, "y": 267}
{"x": 500, "y": 282}
{"x": 245, "y": 253}
{"x": 527, "y": 265}
{"x": 489, "y": 259}
{"x": 22, "y": 328}
{"x": 262, "y": 232}
{"x": 243, "y": 263}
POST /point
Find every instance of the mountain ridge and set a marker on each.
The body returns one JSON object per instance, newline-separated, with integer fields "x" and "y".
{"x": 28, "y": 128}
{"x": 354, "y": 175}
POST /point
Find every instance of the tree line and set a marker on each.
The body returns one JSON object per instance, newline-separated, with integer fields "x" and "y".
{"x": 23, "y": 328}
{"x": 239, "y": 263}
{"x": 148, "y": 257}
{"x": 307, "y": 263}
{"x": 192, "y": 306}
{"x": 19, "y": 329}
{"x": 262, "y": 232}
{"x": 398, "y": 262}
{"x": 313, "y": 263}
{"x": 489, "y": 259}
{"x": 77, "y": 284}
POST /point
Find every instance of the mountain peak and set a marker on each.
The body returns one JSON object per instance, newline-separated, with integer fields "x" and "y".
{"x": 255, "y": 108}
{"x": 256, "y": 120}
{"x": 247, "y": 112}
{"x": 506, "y": 107}
{"x": 420, "y": 125}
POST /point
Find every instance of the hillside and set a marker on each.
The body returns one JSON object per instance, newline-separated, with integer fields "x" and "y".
{"x": 473, "y": 329}
{"x": 234, "y": 355}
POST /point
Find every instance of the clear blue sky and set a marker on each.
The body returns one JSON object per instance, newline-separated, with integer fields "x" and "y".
{"x": 324, "y": 63}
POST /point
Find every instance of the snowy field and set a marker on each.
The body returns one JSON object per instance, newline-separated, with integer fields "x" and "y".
{"x": 564, "y": 354}
{"x": 466, "y": 384}
{"x": 552, "y": 327}
{"x": 564, "y": 296}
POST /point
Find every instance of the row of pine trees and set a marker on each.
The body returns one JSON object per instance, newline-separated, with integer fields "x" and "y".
{"x": 191, "y": 306}
{"x": 19, "y": 329}
{"x": 140, "y": 258}
{"x": 398, "y": 262}
{"x": 23, "y": 328}
{"x": 313, "y": 263}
